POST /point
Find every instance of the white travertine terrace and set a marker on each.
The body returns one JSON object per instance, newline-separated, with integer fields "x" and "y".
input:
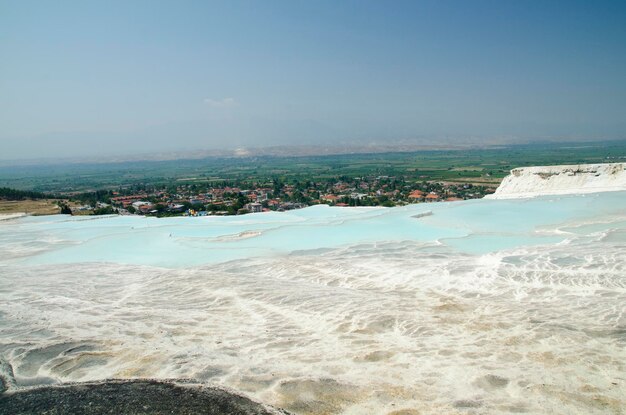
{"x": 526, "y": 182}
{"x": 482, "y": 306}
{"x": 7, "y": 216}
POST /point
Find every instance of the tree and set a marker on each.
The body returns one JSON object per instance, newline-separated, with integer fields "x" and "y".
{"x": 65, "y": 209}
{"x": 14, "y": 194}
{"x": 107, "y": 210}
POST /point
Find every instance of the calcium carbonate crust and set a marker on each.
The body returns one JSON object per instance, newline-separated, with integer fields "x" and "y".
{"x": 525, "y": 182}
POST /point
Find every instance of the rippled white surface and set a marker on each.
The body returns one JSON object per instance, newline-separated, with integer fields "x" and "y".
{"x": 489, "y": 306}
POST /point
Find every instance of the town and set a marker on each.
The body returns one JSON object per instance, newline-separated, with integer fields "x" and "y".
{"x": 242, "y": 197}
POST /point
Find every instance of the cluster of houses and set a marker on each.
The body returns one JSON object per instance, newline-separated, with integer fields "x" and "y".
{"x": 192, "y": 201}
{"x": 420, "y": 196}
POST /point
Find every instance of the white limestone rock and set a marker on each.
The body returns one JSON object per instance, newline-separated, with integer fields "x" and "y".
{"x": 527, "y": 182}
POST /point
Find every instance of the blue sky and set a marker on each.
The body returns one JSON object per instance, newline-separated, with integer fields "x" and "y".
{"x": 80, "y": 78}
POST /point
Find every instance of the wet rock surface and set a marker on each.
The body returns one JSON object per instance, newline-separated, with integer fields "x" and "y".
{"x": 130, "y": 397}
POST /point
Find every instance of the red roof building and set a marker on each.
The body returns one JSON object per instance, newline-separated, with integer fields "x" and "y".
{"x": 416, "y": 194}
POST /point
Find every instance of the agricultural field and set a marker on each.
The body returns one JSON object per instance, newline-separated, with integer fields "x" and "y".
{"x": 484, "y": 166}
{"x": 31, "y": 207}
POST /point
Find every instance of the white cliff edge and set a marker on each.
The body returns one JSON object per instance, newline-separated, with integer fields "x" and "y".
{"x": 527, "y": 182}
{"x": 8, "y": 216}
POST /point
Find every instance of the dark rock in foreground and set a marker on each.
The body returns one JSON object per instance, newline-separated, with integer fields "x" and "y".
{"x": 130, "y": 397}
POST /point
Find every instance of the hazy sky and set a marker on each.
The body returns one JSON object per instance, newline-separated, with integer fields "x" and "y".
{"x": 81, "y": 77}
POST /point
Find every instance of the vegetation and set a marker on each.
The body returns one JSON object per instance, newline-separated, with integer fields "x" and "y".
{"x": 106, "y": 210}
{"x": 477, "y": 166}
{"x": 65, "y": 209}
{"x": 231, "y": 185}
{"x": 14, "y": 194}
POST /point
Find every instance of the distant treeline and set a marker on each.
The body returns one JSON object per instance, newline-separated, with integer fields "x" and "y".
{"x": 14, "y": 194}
